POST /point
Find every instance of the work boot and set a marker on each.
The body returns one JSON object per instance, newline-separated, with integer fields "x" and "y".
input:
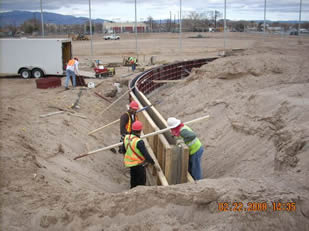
{"x": 66, "y": 88}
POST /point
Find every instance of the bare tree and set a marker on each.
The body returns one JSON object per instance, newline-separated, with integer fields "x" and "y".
{"x": 196, "y": 22}
{"x": 214, "y": 16}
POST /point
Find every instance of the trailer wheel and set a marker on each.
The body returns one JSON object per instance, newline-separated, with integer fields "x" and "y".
{"x": 37, "y": 73}
{"x": 25, "y": 73}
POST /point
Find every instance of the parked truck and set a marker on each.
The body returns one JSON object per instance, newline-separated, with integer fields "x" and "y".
{"x": 34, "y": 57}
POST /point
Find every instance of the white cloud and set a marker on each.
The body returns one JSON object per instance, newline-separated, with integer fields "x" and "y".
{"x": 124, "y": 9}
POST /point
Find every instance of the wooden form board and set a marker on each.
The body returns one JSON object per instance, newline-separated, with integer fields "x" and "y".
{"x": 174, "y": 161}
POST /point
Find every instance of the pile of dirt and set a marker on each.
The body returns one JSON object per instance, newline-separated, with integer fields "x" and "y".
{"x": 258, "y": 129}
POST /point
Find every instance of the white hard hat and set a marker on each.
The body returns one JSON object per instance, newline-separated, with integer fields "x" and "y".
{"x": 172, "y": 122}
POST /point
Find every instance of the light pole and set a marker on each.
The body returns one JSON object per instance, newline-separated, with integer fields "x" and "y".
{"x": 180, "y": 26}
{"x": 90, "y": 25}
{"x": 300, "y": 5}
{"x": 43, "y": 34}
{"x": 224, "y": 25}
{"x": 136, "y": 31}
{"x": 265, "y": 17}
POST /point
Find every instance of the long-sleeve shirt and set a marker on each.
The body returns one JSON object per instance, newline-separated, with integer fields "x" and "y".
{"x": 141, "y": 146}
{"x": 187, "y": 135}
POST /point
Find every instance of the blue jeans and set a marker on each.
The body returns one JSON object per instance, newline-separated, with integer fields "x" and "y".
{"x": 70, "y": 73}
{"x": 195, "y": 168}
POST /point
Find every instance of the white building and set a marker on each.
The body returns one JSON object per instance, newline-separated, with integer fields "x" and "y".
{"x": 119, "y": 27}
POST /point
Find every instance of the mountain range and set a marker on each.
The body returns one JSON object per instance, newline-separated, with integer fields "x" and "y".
{"x": 19, "y": 17}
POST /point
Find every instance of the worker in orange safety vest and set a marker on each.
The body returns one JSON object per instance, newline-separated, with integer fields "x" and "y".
{"x": 126, "y": 121}
{"x": 71, "y": 70}
{"x": 136, "y": 157}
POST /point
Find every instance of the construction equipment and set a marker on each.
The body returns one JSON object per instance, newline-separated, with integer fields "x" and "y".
{"x": 81, "y": 37}
{"x": 142, "y": 137}
{"x": 101, "y": 71}
{"x": 104, "y": 72}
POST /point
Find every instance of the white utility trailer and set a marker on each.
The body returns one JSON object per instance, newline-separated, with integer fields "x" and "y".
{"x": 34, "y": 57}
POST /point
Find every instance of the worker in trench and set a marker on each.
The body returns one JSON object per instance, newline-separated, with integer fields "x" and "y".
{"x": 126, "y": 121}
{"x": 71, "y": 70}
{"x": 136, "y": 156}
{"x": 181, "y": 131}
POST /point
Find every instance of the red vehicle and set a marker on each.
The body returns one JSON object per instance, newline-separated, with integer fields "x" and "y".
{"x": 101, "y": 71}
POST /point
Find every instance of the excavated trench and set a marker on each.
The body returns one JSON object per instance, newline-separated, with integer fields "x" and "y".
{"x": 144, "y": 83}
{"x": 172, "y": 159}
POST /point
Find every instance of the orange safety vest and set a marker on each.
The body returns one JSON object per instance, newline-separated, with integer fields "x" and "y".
{"x": 71, "y": 62}
{"x": 133, "y": 156}
{"x": 129, "y": 124}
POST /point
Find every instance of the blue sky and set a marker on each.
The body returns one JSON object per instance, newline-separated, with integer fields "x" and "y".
{"x": 123, "y": 10}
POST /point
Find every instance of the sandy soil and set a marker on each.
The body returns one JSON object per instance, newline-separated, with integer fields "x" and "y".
{"x": 256, "y": 141}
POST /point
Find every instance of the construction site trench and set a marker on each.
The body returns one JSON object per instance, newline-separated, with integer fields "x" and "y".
{"x": 172, "y": 160}
{"x": 256, "y": 145}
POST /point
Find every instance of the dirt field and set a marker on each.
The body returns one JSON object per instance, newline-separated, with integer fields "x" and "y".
{"x": 256, "y": 141}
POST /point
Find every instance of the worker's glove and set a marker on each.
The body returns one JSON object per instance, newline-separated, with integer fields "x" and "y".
{"x": 179, "y": 142}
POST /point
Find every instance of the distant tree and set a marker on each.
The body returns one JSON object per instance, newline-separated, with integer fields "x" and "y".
{"x": 196, "y": 22}
{"x": 239, "y": 27}
{"x": 214, "y": 16}
{"x": 30, "y": 26}
{"x": 88, "y": 28}
{"x": 150, "y": 23}
{"x": 97, "y": 27}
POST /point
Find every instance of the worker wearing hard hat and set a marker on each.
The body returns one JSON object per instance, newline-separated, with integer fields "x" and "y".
{"x": 126, "y": 121}
{"x": 136, "y": 156}
{"x": 71, "y": 70}
{"x": 196, "y": 149}
{"x": 133, "y": 62}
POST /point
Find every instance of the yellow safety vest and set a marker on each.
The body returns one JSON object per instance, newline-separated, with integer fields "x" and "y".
{"x": 195, "y": 144}
{"x": 133, "y": 156}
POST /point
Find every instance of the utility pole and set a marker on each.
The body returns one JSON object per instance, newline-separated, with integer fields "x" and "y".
{"x": 300, "y": 5}
{"x": 43, "y": 34}
{"x": 136, "y": 31}
{"x": 224, "y": 26}
{"x": 265, "y": 17}
{"x": 170, "y": 21}
{"x": 174, "y": 25}
{"x": 90, "y": 24}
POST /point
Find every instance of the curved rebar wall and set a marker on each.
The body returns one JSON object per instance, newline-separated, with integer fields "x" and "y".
{"x": 144, "y": 82}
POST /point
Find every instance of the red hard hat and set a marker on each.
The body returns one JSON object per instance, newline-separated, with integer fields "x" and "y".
{"x": 137, "y": 126}
{"x": 134, "y": 105}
